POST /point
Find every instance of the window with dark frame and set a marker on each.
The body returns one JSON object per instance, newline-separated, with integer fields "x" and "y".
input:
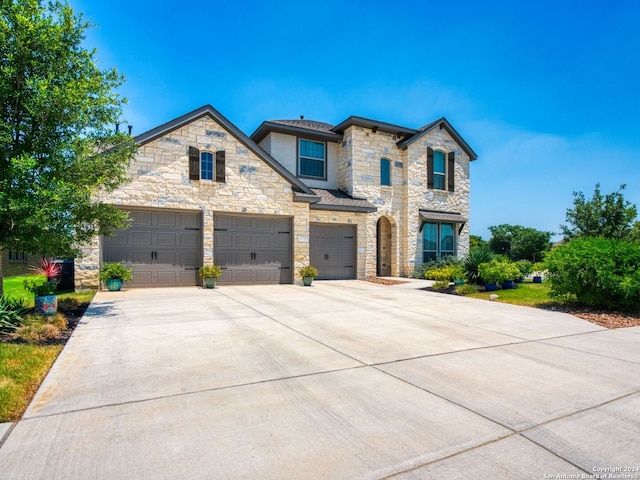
{"x": 385, "y": 172}
{"x": 438, "y": 241}
{"x": 206, "y": 166}
{"x": 311, "y": 159}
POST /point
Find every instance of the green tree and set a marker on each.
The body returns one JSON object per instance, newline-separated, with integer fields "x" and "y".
{"x": 476, "y": 241}
{"x": 58, "y": 145}
{"x": 518, "y": 242}
{"x": 609, "y": 216}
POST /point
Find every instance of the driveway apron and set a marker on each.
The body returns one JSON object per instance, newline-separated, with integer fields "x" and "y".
{"x": 340, "y": 380}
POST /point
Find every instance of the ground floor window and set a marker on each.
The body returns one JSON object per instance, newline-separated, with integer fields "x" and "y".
{"x": 438, "y": 241}
{"x": 17, "y": 256}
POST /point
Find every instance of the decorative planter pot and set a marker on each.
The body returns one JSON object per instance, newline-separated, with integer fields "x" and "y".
{"x": 209, "y": 282}
{"x": 46, "y": 304}
{"x": 507, "y": 284}
{"x": 306, "y": 281}
{"x": 458, "y": 281}
{"x": 537, "y": 279}
{"x": 114, "y": 284}
{"x": 490, "y": 287}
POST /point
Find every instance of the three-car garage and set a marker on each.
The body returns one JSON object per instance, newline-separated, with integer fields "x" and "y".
{"x": 165, "y": 248}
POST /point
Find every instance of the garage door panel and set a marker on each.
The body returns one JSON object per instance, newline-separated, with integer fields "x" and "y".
{"x": 243, "y": 241}
{"x": 166, "y": 239}
{"x": 166, "y": 219}
{"x": 242, "y": 223}
{"x": 223, "y": 240}
{"x": 142, "y": 278}
{"x": 188, "y": 239}
{"x": 139, "y": 257}
{"x": 141, "y": 238}
{"x": 263, "y": 241}
{"x": 142, "y": 218}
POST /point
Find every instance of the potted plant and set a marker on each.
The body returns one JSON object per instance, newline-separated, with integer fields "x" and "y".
{"x": 526, "y": 269}
{"x": 209, "y": 275}
{"x": 46, "y": 301}
{"x": 114, "y": 274}
{"x": 538, "y": 269}
{"x": 497, "y": 272}
{"x": 308, "y": 273}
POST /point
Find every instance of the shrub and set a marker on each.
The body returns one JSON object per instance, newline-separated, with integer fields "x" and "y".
{"x": 37, "y": 329}
{"x": 598, "y": 272}
{"x": 419, "y": 272}
{"x": 466, "y": 289}
{"x": 308, "y": 271}
{"x": 210, "y": 271}
{"x": 440, "y": 285}
{"x": 525, "y": 267}
{"x": 497, "y": 271}
{"x": 471, "y": 262}
{"x": 448, "y": 273}
{"x": 115, "y": 270}
{"x": 12, "y": 312}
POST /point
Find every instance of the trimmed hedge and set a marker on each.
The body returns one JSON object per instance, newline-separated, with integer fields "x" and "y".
{"x": 598, "y": 272}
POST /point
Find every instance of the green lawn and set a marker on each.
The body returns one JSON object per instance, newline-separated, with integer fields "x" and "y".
{"x": 22, "y": 369}
{"x": 14, "y": 287}
{"x": 24, "y": 366}
{"x": 528, "y": 294}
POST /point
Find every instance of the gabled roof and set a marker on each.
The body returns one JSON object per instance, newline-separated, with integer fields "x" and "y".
{"x": 309, "y": 128}
{"x": 375, "y": 125}
{"x": 440, "y": 123}
{"x": 325, "y": 131}
{"x": 179, "y": 122}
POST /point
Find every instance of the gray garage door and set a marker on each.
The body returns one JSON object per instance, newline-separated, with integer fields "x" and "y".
{"x": 333, "y": 251}
{"x": 253, "y": 249}
{"x": 163, "y": 248}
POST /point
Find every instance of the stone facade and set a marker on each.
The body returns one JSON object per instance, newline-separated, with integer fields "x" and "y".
{"x": 264, "y": 182}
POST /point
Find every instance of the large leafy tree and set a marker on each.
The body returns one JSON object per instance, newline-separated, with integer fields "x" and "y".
{"x": 607, "y": 216}
{"x": 518, "y": 242}
{"x": 58, "y": 145}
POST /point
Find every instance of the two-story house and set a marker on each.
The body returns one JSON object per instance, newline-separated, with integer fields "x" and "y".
{"x": 358, "y": 199}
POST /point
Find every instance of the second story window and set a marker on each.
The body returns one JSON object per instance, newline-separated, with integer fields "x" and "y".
{"x": 206, "y": 166}
{"x": 385, "y": 172}
{"x": 439, "y": 172}
{"x": 312, "y": 159}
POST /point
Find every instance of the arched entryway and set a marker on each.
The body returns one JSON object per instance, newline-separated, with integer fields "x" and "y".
{"x": 383, "y": 247}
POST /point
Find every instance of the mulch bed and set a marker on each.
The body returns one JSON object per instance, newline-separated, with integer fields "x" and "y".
{"x": 604, "y": 318}
{"x": 73, "y": 318}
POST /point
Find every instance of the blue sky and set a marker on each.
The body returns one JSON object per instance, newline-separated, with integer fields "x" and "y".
{"x": 545, "y": 92}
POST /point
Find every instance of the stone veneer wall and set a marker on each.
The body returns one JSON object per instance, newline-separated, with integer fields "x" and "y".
{"x": 419, "y": 197}
{"x": 361, "y": 151}
{"x": 160, "y": 178}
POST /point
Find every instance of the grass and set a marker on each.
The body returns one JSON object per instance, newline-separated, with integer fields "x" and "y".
{"x": 23, "y": 366}
{"x": 22, "y": 369}
{"x": 527, "y": 294}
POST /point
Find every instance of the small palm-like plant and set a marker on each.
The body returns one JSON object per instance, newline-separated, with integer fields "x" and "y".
{"x": 470, "y": 264}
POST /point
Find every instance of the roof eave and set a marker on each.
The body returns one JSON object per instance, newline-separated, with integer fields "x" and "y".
{"x": 443, "y": 123}
{"x": 168, "y": 127}
{"x": 267, "y": 127}
{"x": 342, "y": 208}
{"x": 373, "y": 124}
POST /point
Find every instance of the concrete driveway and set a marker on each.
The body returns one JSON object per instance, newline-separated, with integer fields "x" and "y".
{"x": 344, "y": 379}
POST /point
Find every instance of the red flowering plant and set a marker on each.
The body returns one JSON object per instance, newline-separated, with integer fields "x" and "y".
{"x": 49, "y": 269}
